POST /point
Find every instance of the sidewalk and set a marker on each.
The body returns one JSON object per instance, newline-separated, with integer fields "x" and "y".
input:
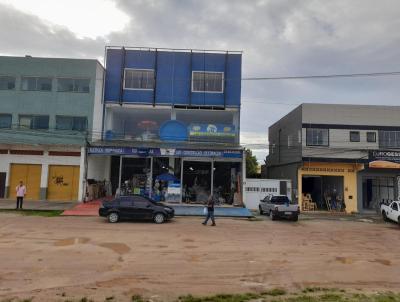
{"x": 38, "y": 204}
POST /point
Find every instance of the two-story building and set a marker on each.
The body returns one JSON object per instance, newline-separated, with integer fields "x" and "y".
{"x": 171, "y": 124}
{"x": 349, "y": 151}
{"x": 50, "y": 109}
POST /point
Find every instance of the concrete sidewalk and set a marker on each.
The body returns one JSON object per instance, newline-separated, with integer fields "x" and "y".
{"x": 38, "y": 204}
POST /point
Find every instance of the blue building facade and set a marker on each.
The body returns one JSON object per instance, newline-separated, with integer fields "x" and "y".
{"x": 171, "y": 124}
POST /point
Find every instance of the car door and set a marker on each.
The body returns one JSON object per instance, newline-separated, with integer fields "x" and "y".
{"x": 143, "y": 208}
{"x": 125, "y": 207}
{"x": 394, "y": 211}
{"x": 264, "y": 203}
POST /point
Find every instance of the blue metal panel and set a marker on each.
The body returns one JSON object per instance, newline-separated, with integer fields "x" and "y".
{"x": 173, "y": 77}
{"x": 113, "y": 75}
{"x": 233, "y": 80}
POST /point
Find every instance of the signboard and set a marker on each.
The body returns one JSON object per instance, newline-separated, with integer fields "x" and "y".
{"x": 212, "y": 130}
{"x": 164, "y": 152}
{"x": 392, "y": 156}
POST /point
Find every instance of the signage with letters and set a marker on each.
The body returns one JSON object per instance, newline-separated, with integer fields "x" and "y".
{"x": 390, "y": 156}
{"x": 212, "y": 130}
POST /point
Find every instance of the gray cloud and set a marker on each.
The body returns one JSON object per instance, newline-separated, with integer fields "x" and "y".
{"x": 278, "y": 37}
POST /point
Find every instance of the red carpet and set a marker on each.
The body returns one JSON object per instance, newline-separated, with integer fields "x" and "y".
{"x": 90, "y": 208}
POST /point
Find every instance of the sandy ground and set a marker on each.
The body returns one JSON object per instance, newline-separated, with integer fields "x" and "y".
{"x": 64, "y": 258}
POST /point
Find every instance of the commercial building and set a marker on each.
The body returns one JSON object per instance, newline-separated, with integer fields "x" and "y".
{"x": 171, "y": 125}
{"x": 350, "y": 152}
{"x": 50, "y": 109}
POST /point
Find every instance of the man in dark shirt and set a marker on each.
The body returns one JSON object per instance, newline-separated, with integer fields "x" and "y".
{"x": 210, "y": 210}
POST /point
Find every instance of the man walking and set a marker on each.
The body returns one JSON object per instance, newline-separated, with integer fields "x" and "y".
{"x": 21, "y": 192}
{"x": 210, "y": 210}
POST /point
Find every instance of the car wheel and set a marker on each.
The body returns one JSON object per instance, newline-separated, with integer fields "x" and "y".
{"x": 261, "y": 211}
{"x": 295, "y": 218}
{"x": 273, "y": 217}
{"x": 384, "y": 216}
{"x": 159, "y": 218}
{"x": 113, "y": 217}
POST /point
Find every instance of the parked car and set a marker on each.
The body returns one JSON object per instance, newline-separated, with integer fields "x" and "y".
{"x": 391, "y": 211}
{"x": 279, "y": 206}
{"x": 135, "y": 207}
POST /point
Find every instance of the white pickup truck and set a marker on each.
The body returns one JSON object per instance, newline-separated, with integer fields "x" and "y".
{"x": 391, "y": 211}
{"x": 279, "y": 206}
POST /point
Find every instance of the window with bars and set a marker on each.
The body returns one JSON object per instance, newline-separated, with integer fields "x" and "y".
{"x": 140, "y": 79}
{"x": 208, "y": 82}
{"x": 389, "y": 139}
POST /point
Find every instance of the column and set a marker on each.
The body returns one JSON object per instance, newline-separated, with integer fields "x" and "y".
{"x": 82, "y": 173}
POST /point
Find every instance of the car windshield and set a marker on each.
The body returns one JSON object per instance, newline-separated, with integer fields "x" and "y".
{"x": 280, "y": 200}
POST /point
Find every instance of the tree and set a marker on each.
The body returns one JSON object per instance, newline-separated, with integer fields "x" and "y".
{"x": 251, "y": 164}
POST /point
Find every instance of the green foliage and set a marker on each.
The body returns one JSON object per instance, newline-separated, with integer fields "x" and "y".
{"x": 251, "y": 164}
{"x": 274, "y": 292}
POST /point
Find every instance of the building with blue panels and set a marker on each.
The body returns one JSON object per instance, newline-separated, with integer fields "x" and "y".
{"x": 171, "y": 124}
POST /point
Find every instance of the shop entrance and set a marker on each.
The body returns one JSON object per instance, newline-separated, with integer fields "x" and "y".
{"x": 135, "y": 176}
{"x": 226, "y": 181}
{"x": 325, "y": 191}
{"x": 196, "y": 181}
{"x": 376, "y": 190}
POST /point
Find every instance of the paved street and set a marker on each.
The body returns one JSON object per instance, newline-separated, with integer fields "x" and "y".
{"x": 74, "y": 257}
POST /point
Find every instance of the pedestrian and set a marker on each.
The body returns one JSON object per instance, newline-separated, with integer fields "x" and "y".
{"x": 21, "y": 192}
{"x": 210, "y": 210}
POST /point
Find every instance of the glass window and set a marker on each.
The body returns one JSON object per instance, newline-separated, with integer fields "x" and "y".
{"x": 139, "y": 79}
{"x": 5, "y": 121}
{"x": 207, "y": 81}
{"x": 34, "y": 121}
{"x": 317, "y": 137}
{"x": 7, "y": 83}
{"x": 71, "y": 123}
{"x": 36, "y": 83}
{"x": 354, "y": 136}
{"x": 371, "y": 137}
{"x": 125, "y": 201}
{"x": 73, "y": 85}
{"x": 389, "y": 139}
{"x": 395, "y": 207}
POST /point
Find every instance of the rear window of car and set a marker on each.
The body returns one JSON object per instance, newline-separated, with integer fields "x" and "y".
{"x": 280, "y": 200}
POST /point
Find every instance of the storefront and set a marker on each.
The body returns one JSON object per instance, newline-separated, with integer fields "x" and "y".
{"x": 328, "y": 186}
{"x": 169, "y": 174}
{"x": 380, "y": 180}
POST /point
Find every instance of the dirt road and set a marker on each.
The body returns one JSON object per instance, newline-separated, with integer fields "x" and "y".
{"x": 60, "y": 258}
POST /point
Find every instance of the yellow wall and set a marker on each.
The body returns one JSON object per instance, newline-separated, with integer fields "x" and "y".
{"x": 30, "y": 175}
{"x": 348, "y": 171}
{"x": 63, "y": 183}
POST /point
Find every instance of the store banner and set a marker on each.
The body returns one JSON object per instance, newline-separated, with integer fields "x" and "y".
{"x": 212, "y": 130}
{"x": 384, "y": 159}
{"x": 164, "y": 152}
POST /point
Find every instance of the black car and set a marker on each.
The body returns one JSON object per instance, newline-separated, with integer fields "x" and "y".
{"x": 135, "y": 207}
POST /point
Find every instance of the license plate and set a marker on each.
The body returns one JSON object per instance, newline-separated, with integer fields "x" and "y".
{"x": 288, "y": 213}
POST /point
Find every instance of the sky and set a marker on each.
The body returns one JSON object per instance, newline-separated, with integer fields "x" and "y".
{"x": 277, "y": 37}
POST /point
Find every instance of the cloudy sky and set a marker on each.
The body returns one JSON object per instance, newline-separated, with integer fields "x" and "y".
{"x": 278, "y": 38}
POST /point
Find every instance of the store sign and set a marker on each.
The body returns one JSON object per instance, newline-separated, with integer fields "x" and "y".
{"x": 164, "y": 152}
{"x": 211, "y": 130}
{"x": 391, "y": 156}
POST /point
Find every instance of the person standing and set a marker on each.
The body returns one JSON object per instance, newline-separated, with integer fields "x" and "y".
{"x": 21, "y": 192}
{"x": 210, "y": 210}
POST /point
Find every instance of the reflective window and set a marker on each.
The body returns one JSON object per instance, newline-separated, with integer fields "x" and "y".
{"x": 5, "y": 121}
{"x": 73, "y": 85}
{"x": 7, "y": 83}
{"x": 317, "y": 137}
{"x": 389, "y": 139}
{"x": 71, "y": 123}
{"x": 36, "y": 83}
{"x": 354, "y": 136}
{"x": 371, "y": 137}
{"x": 207, "y": 81}
{"x": 34, "y": 121}
{"x": 138, "y": 79}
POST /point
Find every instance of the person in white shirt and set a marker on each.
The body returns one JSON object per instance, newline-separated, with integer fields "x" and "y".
{"x": 21, "y": 192}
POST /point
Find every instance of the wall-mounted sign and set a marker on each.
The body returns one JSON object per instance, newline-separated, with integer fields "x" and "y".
{"x": 211, "y": 130}
{"x": 392, "y": 156}
{"x": 144, "y": 152}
